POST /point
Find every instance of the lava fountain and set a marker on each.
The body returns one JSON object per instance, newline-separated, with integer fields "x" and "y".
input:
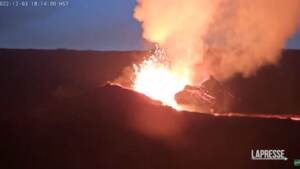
{"x": 156, "y": 78}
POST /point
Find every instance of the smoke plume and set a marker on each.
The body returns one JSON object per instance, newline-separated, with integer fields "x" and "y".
{"x": 219, "y": 37}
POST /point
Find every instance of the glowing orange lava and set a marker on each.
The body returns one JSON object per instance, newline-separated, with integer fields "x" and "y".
{"x": 156, "y": 79}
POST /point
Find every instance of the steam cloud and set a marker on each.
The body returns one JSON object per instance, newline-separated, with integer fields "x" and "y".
{"x": 219, "y": 37}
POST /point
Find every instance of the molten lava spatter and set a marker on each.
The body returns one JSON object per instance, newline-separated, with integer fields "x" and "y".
{"x": 156, "y": 79}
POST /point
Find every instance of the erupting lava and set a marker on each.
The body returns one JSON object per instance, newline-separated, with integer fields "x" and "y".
{"x": 156, "y": 79}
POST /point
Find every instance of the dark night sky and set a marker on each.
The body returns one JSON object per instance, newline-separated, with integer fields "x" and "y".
{"x": 83, "y": 24}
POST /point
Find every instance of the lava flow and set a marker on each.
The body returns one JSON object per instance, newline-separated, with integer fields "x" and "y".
{"x": 155, "y": 78}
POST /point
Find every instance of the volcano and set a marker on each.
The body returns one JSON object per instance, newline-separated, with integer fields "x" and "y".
{"x": 55, "y": 113}
{"x": 114, "y": 127}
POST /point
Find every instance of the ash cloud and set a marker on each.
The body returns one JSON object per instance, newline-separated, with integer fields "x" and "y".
{"x": 219, "y": 37}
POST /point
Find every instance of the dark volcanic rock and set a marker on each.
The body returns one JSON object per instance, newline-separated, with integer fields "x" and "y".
{"x": 112, "y": 127}
{"x": 210, "y": 96}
